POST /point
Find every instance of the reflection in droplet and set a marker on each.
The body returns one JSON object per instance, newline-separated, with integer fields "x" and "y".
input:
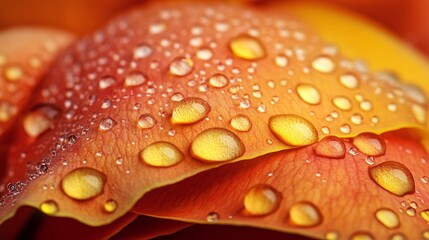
{"x": 107, "y": 123}
{"x": 142, "y": 51}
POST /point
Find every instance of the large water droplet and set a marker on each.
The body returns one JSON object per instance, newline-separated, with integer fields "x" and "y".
{"x": 308, "y": 93}
{"x": 261, "y": 200}
{"x": 49, "y": 207}
{"x": 323, "y": 64}
{"x": 39, "y": 119}
{"x": 247, "y": 47}
{"x": 161, "y": 154}
{"x": 217, "y": 145}
{"x": 107, "y": 123}
{"x": 134, "y": 79}
{"x": 181, "y": 66}
{"x": 110, "y": 206}
{"x": 331, "y": 147}
{"x": 83, "y": 183}
{"x": 146, "y": 121}
{"x": 190, "y": 110}
{"x": 370, "y": 144}
{"x": 293, "y": 130}
{"x": 241, "y": 123}
{"x": 393, "y": 177}
{"x": 7, "y": 110}
{"x": 305, "y": 214}
{"x": 387, "y": 217}
{"x": 218, "y": 80}
{"x": 342, "y": 103}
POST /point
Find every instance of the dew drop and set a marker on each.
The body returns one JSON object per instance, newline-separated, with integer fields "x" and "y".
{"x": 106, "y": 82}
{"x": 247, "y": 47}
{"x": 49, "y": 207}
{"x": 110, "y": 206}
{"x": 349, "y": 81}
{"x": 342, "y": 103}
{"x": 425, "y": 215}
{"x": 370, "y": 144}
{"x": 366, "y": 105}
{"x": 392, "y": 107}
{"x": 393, "y": 177}
{"x": 241, "y": 123}
{"x": 142, "y": 51}
{"x": 323, "y": 64}
{"x": 161, "y": 154}
{"x": 304, "y": 214}
{"x": 397, "y": 236}
{"x": 217, "y": 145}
{"x": 177, "y": 97}
{"x": 181, "y": 66}
{"x": 134, "y": 79}
{"x": 308, "y": 93}
{"x": 345, "y": 128}
{"x": 411, "y": 212}
{"x": 361, "y": 236}
{"x": 387, "y": 217}
{"x": 331, "y": 147}
{"x": 83, "y": 183}
{"x": 356, "y": 119}
{"x": 7, "y": 110}
{"x": 107, "y": 123}
{"x": 293, "y": 130}
{"x": 218, "y": 80}
{"x": 13, "y": 73}
{"x": 39, "y": 119}
{"x": 190, "y": 110}
{"x": 281, "y": 61}
{"x": 332, "y": 235}
{"x": 261, "y": 200}
{"x": 419, "y": 113}
{"x": 146, "y": 121}
{"x": 204, "y": 54}
{"x": 425, "y": 235}
{"x": 212, "y": 217}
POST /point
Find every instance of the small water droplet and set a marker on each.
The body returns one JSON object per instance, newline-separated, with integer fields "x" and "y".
{"x": 177, "y": 97}
{"x": 345, "y": 128}
{"x": 134, "y": 79}
{"x": 218, "y": 80}
{"x": 281, "y": 61}
{"x": 119, "y": 161}
{"x": 161, "y": 154}
{"x": 212, "y": 217}
{"x": 106, "y": 82}
{"x": 83, "y": 183}
{"x": 370, "y": 160}
{"x": 181, "y": 66}
{"x": 110, "y": 206}
{"x": 216, "y": 145}
{"x": 247, "y": 47}
{"x": 49, "y": 207}
{"x": 142, "y": 51}
{"x": 394, "y": 177}
{"x": 356, "y": 119}
{"x": 293, "y": 130}
{"x": 332, "y": 235}
{"x": 305, "y": 214}
{"x": 308, "y": 93}
{"x": 342, "y": 103}
{"x": 370, "y": 144}
{"x": 39, "y": 119}
{"x": 7, "y": 110}
{"x": 107, "y": 123}
{"x": 366, "y": 105}
{"x": 425, "y": 215}
{"x": 323, "y": 64}
{"x": 190, "y": 110}
{"x": 349, "y": 80}
{"x": 387, "y": 217}
{"x": 331, "y": 147}
{"x": 261, "y": 200}
{"x": 361, "y": 236}
{"x": 419, "y": 113}
{"x": 146, "y": 121}
{"x": 241, "y": 123}
{"x": 204, "y": 54}
{"x": 392, "y": 107}
{"x": 13, "y": 73}
{"x": 353, "y": 151}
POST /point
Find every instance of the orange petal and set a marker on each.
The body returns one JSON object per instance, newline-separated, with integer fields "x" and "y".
{"x": 316, "y": 196}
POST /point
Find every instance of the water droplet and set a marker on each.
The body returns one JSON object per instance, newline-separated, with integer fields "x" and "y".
{"x": 181, "y": 66}
{"x": 106, "y": 124}
{"x": 425, "y": 215}
{"x": 106, "y": 82}
{"x": 393, "y": 177}
{"x": 142, "y": 51}
{"x": 293, "y": 130}
{"x": 308, "y": 93}
{"x": 419, "y": 113}
{"x": 387, "y": 217}
{"x": 345, "y": 128}
{"x": 349, "y": 81}
{"x": 342, "y": 103}
{"x": 356, "y": 119}
{"x": 305, "y": 214}
{"x": 392, "y": 107}
{"x": 49, "y": 207}
{"x": 161, "y": 154}
{"x": 83, "y": 183}
{"x": 241, "y": 123}
{"x": 247, "y": 47}
{"x": 134, "y": 79}
{"x": 146, "y": 121}
{"x": 397, "y": 236}
{"x": 218, "y": 80}
{"x": 323, "y": 65}
{"x": 425, "y": 235}
{"x": 212, "y": 217}
{"x": 110, "y": 206}
{"x": 361, "y": 236}
{"x": 369, "y": 160}
{"x": 216, "y": 145}
{"x": 370, "y": 144}
{"x": 7, "y": 110}
{"x": 39, "y": 119}
{"x": 204, "y": 54}
{"x": 119, "y": 161}
{"x": 281, "y": 61}
{"x": 332, "y": 235}
{"x": 261, "y": 200}
{"x": 331, "y": 147}
{"x": 13, "y": 73}
{"x": 156, "y": 28}
{"x": 190, "y": 110}
{"x": 366, "y": 105}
